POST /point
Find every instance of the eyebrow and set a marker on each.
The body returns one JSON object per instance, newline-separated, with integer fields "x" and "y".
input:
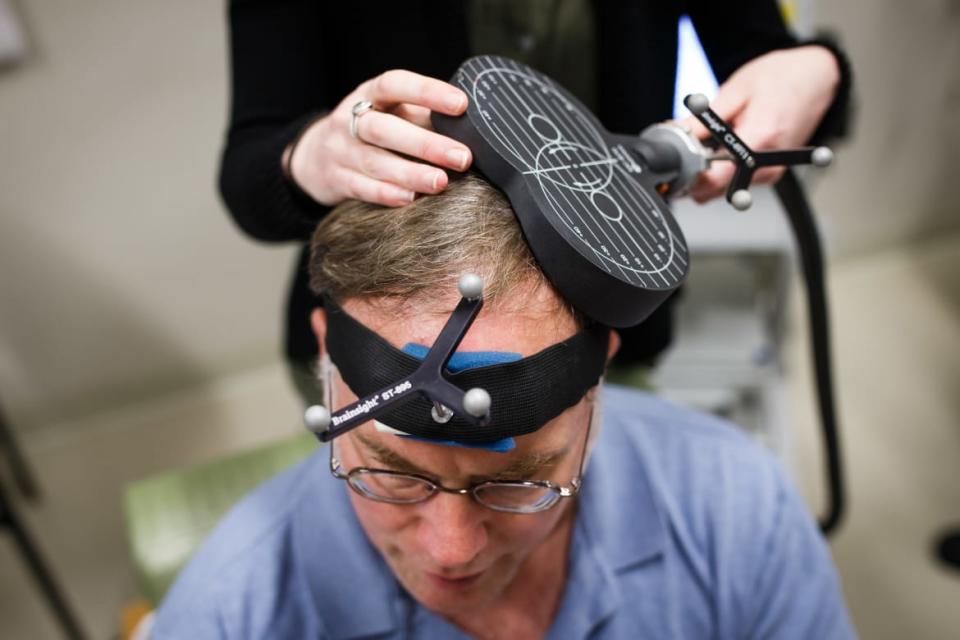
{"x": 520, "y": 468}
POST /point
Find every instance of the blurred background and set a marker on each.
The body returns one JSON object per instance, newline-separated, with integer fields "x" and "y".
{"x": 139, "y": 330}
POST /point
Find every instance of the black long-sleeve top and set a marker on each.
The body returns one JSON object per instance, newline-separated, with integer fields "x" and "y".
{"x": 294, "y": 59}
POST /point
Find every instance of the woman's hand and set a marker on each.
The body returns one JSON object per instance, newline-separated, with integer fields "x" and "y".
{"x": 774, "y": 101}
{"x": 331, "y": 165}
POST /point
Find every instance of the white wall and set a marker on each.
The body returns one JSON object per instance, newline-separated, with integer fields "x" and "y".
{"x": 122, "y": 277}
{"x": 120, "y": 274}
{"x": 897, "y": 181}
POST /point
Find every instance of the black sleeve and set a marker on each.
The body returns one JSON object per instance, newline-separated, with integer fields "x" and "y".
{"x": 733, "y": 33}
{"x": 277, "y": 86}
{"x": 836, "y": 121}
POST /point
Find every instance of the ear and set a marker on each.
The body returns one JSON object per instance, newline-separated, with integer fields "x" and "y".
{"x": 318, "y": 320}
{"x": 613, "y": 345}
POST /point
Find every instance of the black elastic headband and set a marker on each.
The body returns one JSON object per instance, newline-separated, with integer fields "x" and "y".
{"x": 525, "y": 393}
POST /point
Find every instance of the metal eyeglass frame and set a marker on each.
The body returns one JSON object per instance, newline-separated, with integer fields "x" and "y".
{"x": 557, "y": 491}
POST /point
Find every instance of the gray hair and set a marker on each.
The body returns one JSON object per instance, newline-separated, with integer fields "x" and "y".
{"x": 408, "y": 253}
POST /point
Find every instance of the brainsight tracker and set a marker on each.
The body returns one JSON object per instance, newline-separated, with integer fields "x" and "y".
{"x": 592, "y": 207}
{"x": 427, "y": 379}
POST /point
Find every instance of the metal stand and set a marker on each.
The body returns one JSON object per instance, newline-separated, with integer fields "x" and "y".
{"x": 38, "y": 568}
{"x": 10, "y": 520}
{"x": 18, "y": 466}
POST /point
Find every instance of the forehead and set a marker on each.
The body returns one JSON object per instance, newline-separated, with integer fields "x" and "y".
{"x": 526, "y": 321}
{"x": 556, "y": 436}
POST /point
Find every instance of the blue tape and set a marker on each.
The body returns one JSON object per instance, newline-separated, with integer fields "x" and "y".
{"x": 464, "y": 359}
{"x": 458, "y": 362}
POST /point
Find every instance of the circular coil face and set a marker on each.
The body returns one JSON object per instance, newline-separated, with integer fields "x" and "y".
{"x": 586, "y": 201}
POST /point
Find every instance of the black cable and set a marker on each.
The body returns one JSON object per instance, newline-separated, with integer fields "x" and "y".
{"x": 804, "y": 226}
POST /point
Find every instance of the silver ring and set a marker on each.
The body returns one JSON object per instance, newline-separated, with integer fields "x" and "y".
{"x": 358, "y": 110}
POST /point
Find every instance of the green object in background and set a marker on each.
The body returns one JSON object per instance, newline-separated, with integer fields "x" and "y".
{"x": 637, "y": 376}
{"x": 170, "y": 514}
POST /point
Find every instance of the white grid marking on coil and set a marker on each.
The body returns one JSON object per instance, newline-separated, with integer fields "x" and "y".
{"x": 526, "y": 162}
{"x": 596, "y": 177}
{"x": 546, "y": 192}
{"x": 630, "y": 221}
{"x": 559, "y": 209}
{"x": 630, "y": 191}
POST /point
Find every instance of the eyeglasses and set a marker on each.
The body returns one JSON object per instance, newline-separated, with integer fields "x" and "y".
{"x": 521, "y": 496}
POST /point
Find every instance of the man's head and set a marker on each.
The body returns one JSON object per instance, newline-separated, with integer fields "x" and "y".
{"x": 395, "y": 271}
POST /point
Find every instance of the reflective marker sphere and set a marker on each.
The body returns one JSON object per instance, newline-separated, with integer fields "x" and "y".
{"x": 470, "y": 286}
{"x": 697, "y": 102}
{"x": 476, "y": 402}
{"x": 822, "y": 156}
{"x": 317, "y": 418}
{"x": 741, "y": 200}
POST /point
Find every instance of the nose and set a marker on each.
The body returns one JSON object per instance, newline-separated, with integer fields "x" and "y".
{"x": 452, "y": 530}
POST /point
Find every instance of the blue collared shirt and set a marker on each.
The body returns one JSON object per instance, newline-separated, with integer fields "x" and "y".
{"x": 685, "y": 529}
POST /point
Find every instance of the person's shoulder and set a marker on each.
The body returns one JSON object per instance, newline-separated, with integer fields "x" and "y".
{"x": 673, "y": 431}
{"x": 713, "y": 482}
{"x": 245, "y": 565}
{"x": 728, "y": 514}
